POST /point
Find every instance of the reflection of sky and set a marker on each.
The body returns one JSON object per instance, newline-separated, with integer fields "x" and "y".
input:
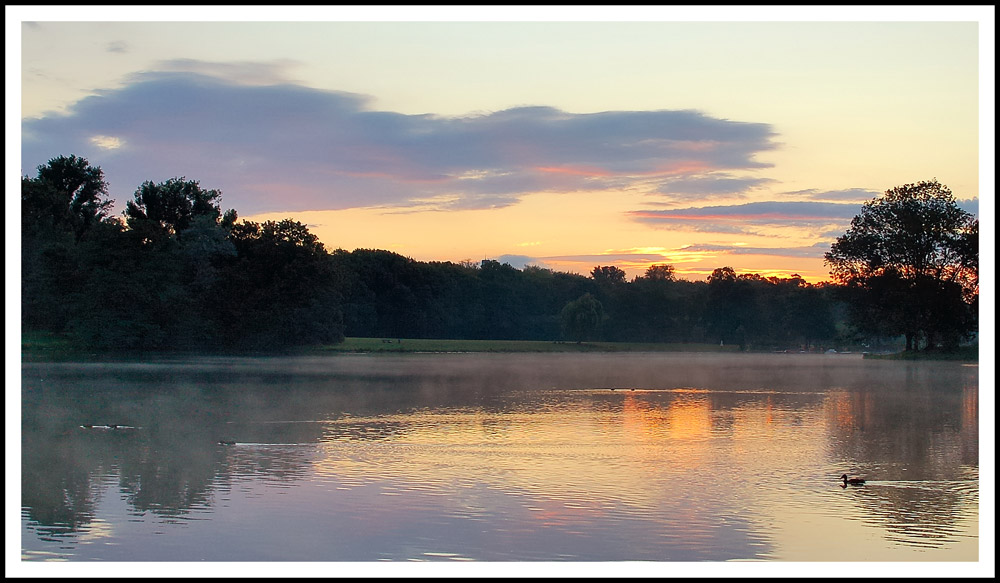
{"x": 584, "y": 470}
{"x": 470, "y": 460}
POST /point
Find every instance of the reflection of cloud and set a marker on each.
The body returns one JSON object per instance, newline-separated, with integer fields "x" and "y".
{"x": 238, "y": 126}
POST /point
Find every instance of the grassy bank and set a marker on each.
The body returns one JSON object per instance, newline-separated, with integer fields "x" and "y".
{"x": 433, "y": 345}
{"x": 48, "y": 347}
{"x": 44, "y": 346}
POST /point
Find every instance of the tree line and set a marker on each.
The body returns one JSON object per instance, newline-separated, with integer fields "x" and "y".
{"x": 176, "y": 272}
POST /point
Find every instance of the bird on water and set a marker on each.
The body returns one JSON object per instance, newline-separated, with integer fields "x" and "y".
{"x": 855, "y": 481}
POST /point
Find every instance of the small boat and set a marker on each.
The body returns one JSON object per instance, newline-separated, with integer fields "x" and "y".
{"x": 225, "y": 442}
{"x": 853, "y": 481}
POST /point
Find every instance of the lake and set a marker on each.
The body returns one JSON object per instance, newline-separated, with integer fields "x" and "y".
{"x": 501, "y": 457}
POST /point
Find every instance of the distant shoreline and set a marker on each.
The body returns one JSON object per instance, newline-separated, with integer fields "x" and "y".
{"x": 413, "y": 345}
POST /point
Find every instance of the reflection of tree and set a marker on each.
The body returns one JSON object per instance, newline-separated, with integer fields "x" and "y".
{"x": 56, "y": 484}
{"x": 934, "y": 440}
{"x": 173, "y": 463}
{"x": 931, "y": 452}
{"x": 916, "y": 515}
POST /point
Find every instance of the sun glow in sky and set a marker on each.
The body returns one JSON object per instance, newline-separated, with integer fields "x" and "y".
{"x": 665, "y": 137}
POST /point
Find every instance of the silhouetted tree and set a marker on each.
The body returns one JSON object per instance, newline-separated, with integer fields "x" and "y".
{"x": 608, "y": 275}
{"x": 660, "y": 273}
{"x": 581, "y": 318}
{"x": 171, "y": 206}
{"x": 67, "y": 194}
{"x": 278, "y": 290}
{"x": 731, "y": 313}
{"x": 65, "y": 203}
{"x": 909, "y": 264}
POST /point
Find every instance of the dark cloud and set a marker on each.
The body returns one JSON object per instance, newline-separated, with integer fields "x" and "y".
{"x": 272, "y": 147}
{"x": 748, "y": 218}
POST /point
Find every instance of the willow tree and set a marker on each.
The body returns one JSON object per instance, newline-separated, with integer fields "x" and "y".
{"x": 910, "y": 266}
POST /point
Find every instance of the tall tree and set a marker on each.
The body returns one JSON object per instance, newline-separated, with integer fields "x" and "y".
{"x": 67, "y": 194}
{"x": 278, "y": 290}
{"x": 608, "y": 275}
{"x": 660, "y": 273}
{"x": 910, "y": 264}
{"x": 581, "y": 318}
{"x": 731, "y": 311}
{"x": 171, "y": 206}
{"x": 62, "y": 205}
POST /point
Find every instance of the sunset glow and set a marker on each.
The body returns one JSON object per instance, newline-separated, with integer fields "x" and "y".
{"x": 442, "y": 141}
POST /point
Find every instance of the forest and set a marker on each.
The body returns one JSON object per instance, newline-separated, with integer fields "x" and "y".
{"x": 176, "y": 272}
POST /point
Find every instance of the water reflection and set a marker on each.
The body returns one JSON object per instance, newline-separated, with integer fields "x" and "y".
{"x": 501, "y": 457}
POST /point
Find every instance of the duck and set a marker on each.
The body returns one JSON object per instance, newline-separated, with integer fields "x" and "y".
{"x": 855, "y": 481}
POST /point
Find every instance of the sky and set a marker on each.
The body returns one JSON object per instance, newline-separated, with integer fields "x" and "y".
{"x": 630, "y": 137}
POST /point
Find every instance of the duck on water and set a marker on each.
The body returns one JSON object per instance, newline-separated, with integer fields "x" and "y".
{"x": 853, "y": 481}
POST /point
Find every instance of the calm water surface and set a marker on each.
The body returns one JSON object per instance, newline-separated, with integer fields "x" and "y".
{"x": 506, "y": 457}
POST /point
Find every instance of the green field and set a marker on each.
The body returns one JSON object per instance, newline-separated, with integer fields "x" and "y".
{"x": 432, "y": 345}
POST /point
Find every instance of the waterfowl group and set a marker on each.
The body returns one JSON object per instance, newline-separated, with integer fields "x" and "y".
{"x": 107, "y": 427}
{"x": 853, "y": 481}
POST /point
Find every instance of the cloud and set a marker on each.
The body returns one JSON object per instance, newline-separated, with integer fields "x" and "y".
{"x": 709, "y": 186}
{"x": 863, "y": 195}
{"x": 241, "y": 72}
{"x": 748, "y": 218}
{"x": 858, "y": 195}
{"x": 272, "y": 145}
{"x": 519, "y": 261}
{"x": 810, "y": 251}
{"x": 970, "y": 206}
{"x": 117, "y": 46}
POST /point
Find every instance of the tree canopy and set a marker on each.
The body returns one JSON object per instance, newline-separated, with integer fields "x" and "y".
{"x": 174, "y": 272}
{"x": 910, "y": 265}
{"x": 67, "y": 194}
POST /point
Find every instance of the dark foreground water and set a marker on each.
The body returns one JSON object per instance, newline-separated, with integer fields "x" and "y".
{"x": 507, "y": 457}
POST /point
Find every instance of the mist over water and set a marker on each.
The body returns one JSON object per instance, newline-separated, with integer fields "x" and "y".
{"x": 500, "y": 457}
